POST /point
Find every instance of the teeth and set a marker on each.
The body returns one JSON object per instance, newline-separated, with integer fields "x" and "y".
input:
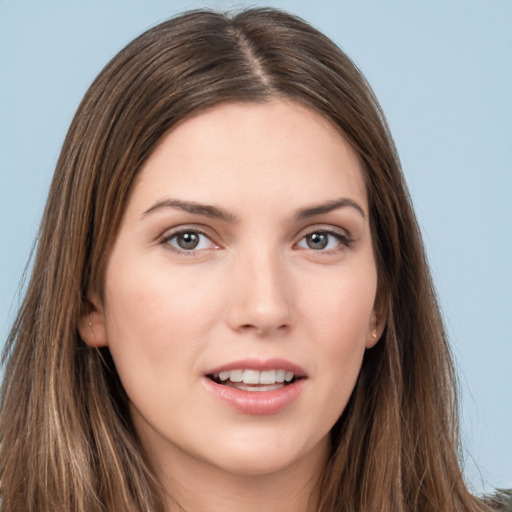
{"x": 268, "y": 377}
{"x": 253, "y": 377}
{"x": 224, "y": 376}
{"x": 236, "y": 375}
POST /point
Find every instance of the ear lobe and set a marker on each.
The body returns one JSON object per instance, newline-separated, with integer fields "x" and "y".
{"x": 373, "y": 336}
{"x": 92, "y": 326}
{"x": 378, "y": 320}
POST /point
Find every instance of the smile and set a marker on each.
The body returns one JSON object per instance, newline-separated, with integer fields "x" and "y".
{"x": 257, "y": 387}
{"x": 254, "y": 380}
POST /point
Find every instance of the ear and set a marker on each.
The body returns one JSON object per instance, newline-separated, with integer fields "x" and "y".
{"x": 92, "y": 325}
{"x": 378, "y": 320}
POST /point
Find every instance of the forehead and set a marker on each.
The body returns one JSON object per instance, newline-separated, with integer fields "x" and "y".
{"x": 264, "y": 151}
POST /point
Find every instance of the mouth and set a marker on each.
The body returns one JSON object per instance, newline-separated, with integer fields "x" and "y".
{"x": 255, "y": 386}
{"x": 247, "y": 379}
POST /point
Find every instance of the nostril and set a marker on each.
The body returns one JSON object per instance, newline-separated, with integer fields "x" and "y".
{"x": 264, "y": 330}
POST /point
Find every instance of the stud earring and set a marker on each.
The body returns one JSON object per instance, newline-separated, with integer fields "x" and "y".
{"x": 374, "y": 333}
{"x": 92, "y": 330}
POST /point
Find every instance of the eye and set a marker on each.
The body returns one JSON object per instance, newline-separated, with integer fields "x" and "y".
{"x": 324, "y": 240}
{"x": 188, "y": 241}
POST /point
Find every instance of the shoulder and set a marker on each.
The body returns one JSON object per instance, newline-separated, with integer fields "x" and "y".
{"x": 501, "y": 500}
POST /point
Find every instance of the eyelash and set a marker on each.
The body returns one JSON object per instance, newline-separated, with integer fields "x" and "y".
{"x": 343, "y": 238}
{"x": 344, "y": 241}
{"x": 166, "y": 239}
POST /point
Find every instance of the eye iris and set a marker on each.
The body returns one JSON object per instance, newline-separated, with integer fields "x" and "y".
{"x": 317, "y": 241}
{"x": 188, "y": 240}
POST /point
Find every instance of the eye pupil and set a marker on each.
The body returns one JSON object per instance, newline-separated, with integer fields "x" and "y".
{"x": 317, "y": 241}
{"x": 188, "y": 240}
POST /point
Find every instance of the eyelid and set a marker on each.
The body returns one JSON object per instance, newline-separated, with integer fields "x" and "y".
{"x": 170, "y": 233}
{"x": 180, "y": 228}
{"x": 343, "y": 235}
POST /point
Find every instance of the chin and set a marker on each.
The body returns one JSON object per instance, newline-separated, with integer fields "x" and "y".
{"x": 255, "y": 466}
{"x": 266, "y": 455}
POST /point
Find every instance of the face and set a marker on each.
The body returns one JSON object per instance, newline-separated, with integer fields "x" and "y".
{"x": 240, "y": 291}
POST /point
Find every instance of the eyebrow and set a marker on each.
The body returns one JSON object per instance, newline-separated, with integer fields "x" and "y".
{"x": 320, "y": 209}
{"x": 213, "y": 212}
{"x": 219, "y": 213}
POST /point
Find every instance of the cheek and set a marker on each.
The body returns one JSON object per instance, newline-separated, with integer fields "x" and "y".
{"x": 158, "y": 318}
{"x": 337, "y": 317}
{"x": 339, "y": 309}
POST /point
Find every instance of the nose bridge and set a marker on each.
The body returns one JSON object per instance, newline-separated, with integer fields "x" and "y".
{"x": 261, "y": 298}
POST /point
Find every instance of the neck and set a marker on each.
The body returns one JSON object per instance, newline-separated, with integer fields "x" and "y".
{"x": 192, "y": 485}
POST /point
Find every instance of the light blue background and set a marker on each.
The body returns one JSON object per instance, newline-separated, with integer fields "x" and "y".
{"x": 443, "y": 73}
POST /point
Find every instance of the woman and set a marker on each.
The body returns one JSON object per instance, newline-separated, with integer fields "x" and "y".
{"x": 230, "y": 306}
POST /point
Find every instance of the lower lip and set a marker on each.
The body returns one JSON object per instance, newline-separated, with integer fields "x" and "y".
{"x": 257, "y": 402}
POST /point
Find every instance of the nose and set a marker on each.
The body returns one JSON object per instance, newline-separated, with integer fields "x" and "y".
{"x": 260, "y": 299}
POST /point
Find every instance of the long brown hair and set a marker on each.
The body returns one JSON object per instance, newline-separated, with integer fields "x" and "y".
{"x": 67, "y": 443}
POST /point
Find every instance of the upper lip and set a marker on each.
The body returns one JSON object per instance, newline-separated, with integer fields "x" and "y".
{"x": 260, "y": 365}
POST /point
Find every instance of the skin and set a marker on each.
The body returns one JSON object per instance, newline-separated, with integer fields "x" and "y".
{"x": 254, "y": 287}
